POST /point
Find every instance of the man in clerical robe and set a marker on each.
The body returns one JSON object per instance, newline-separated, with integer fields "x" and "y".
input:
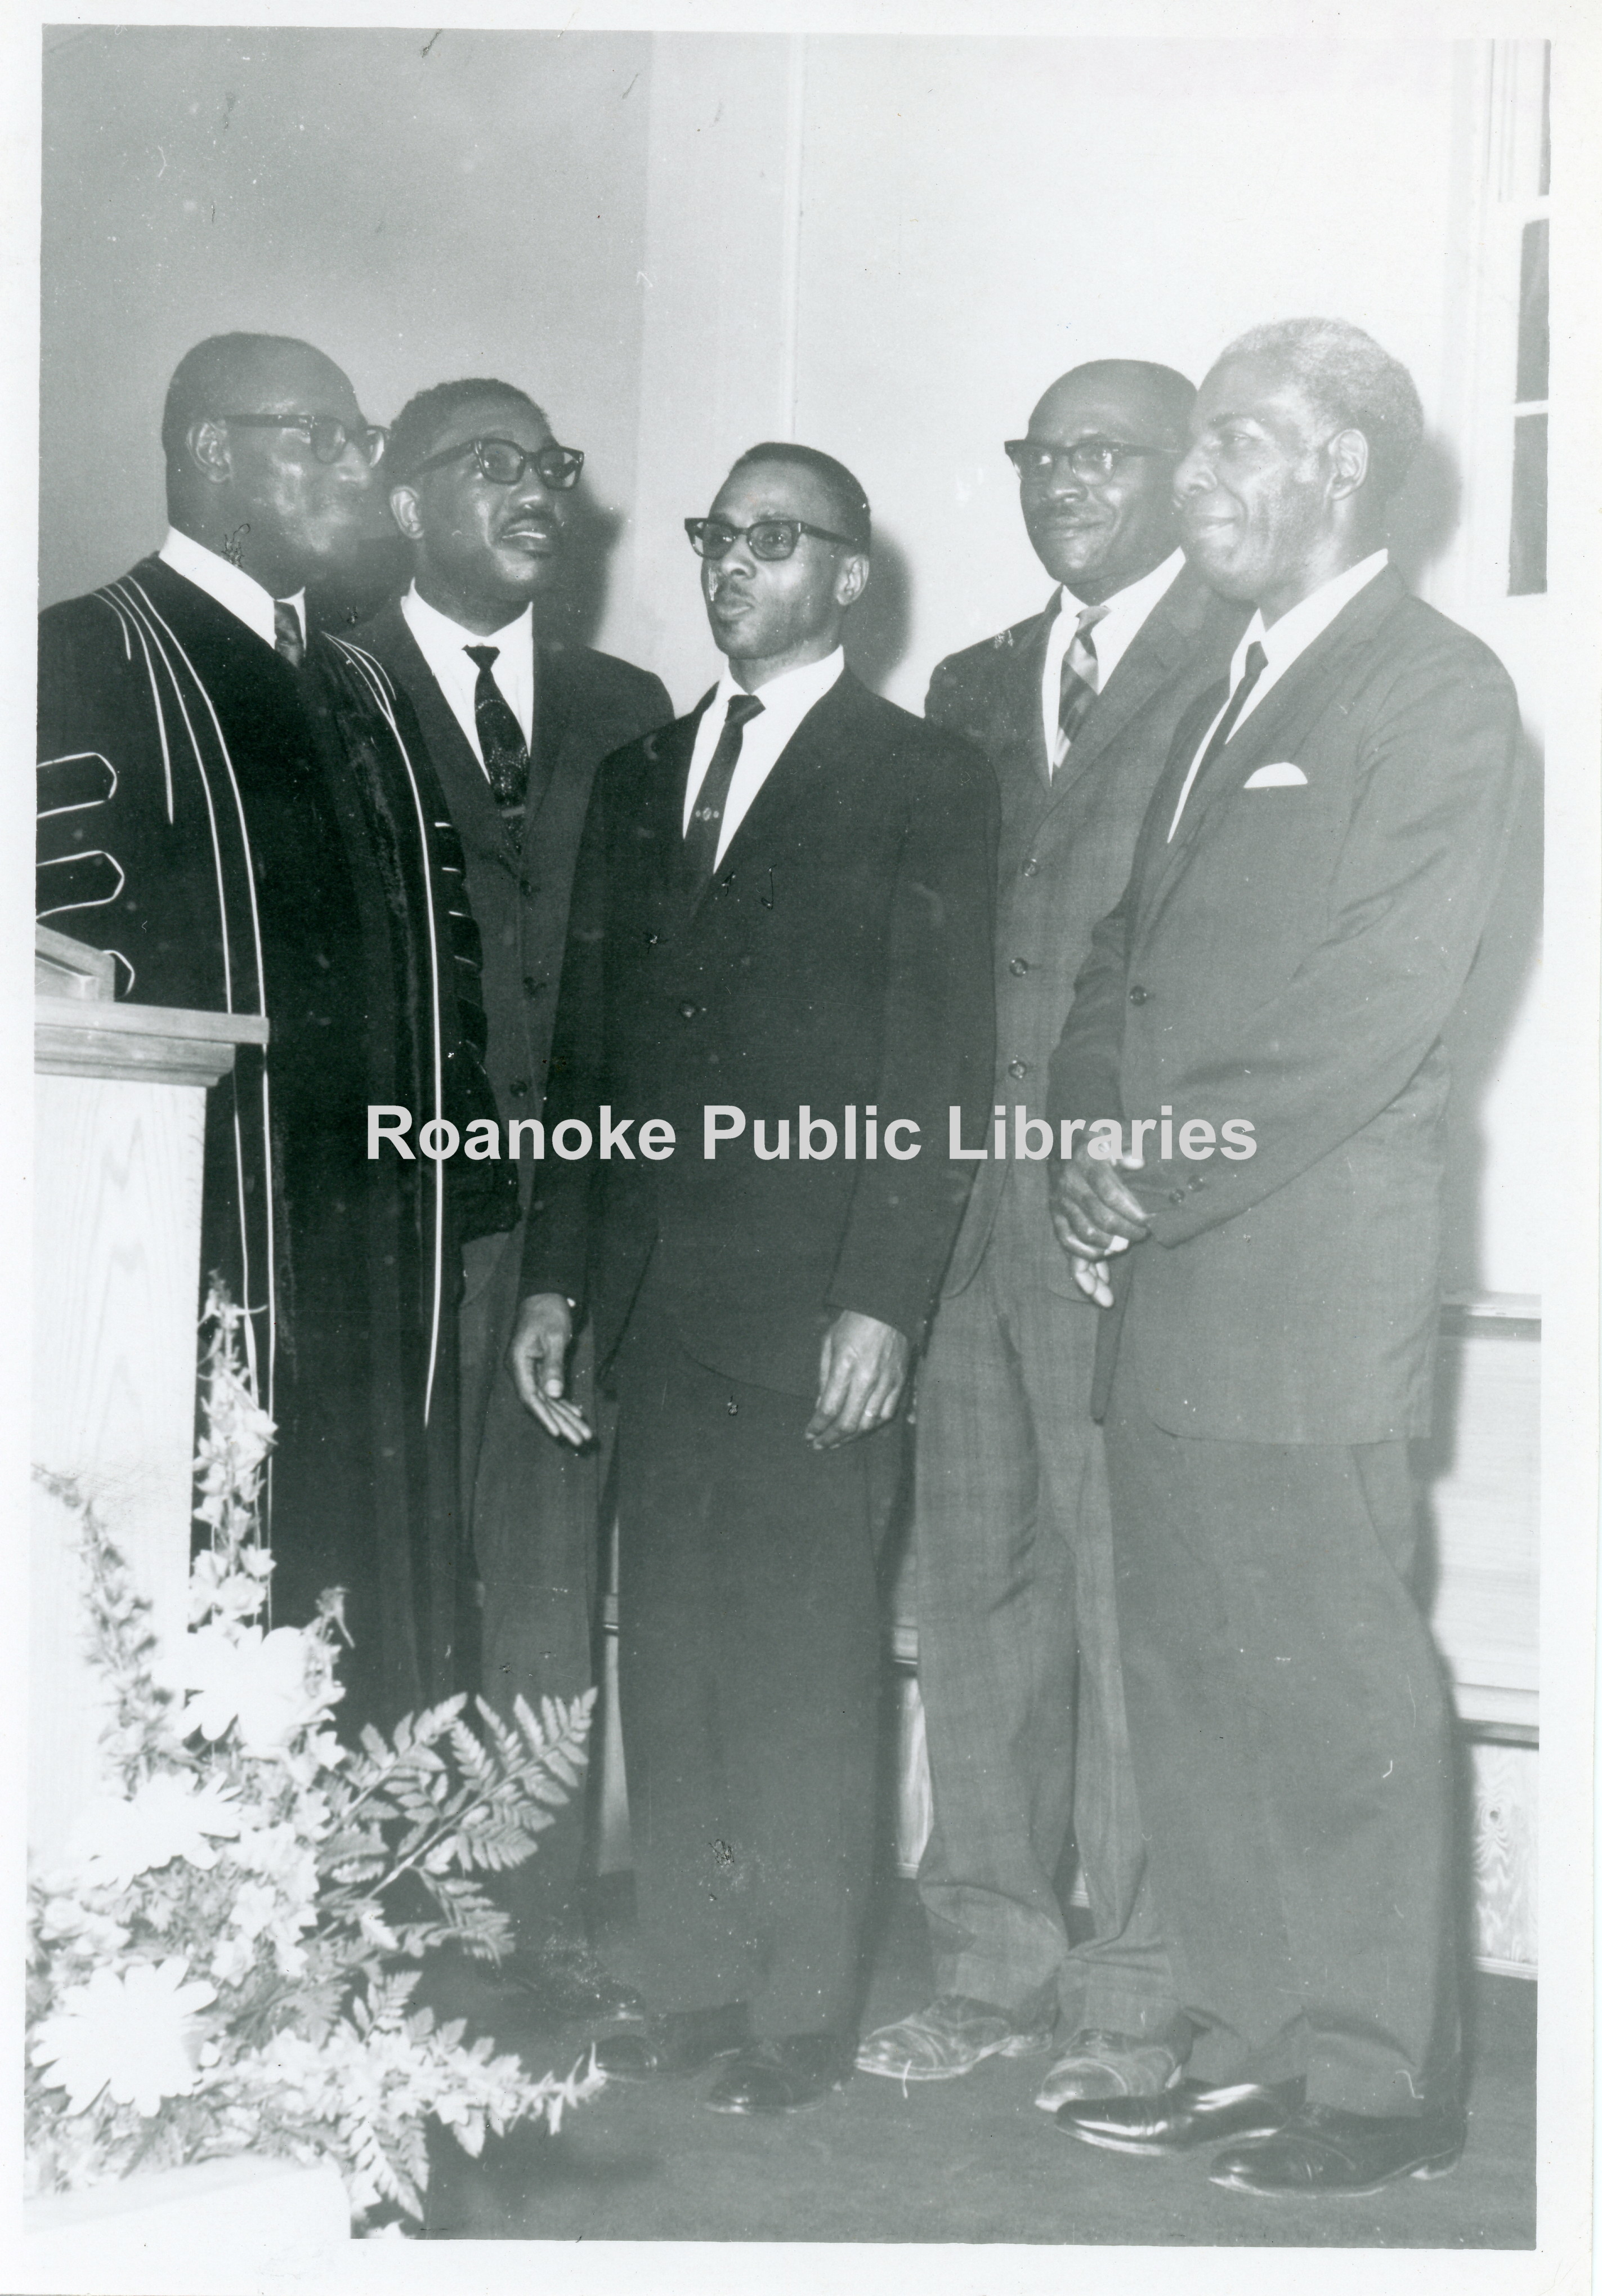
{"x": 243, "y": 812}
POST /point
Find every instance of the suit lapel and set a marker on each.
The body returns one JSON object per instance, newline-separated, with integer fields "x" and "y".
{"x": 1158, "y": 647}
{"x": 442, "y": 736}
{"x": 1020, "y": 725}
{"x": 553, "y": 704}
{"x": 815, "y": 740}
{"x": 1286, "y": 713}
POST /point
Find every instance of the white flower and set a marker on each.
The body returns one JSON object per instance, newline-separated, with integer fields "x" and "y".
{"x": 130, "y": 2033}
{"x": 262, "y": 1681}
{"x": 169, "y": 1816}
{"x": 235, "y": 1593}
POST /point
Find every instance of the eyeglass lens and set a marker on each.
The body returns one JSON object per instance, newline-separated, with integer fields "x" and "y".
{"x": 504, "y": 464}
{"x": 769, "y": 537}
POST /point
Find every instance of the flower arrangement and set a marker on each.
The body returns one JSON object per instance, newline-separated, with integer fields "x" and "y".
{"x": 219, "y": 1962}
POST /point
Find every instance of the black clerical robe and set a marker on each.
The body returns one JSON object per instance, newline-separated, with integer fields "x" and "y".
{"x": 251, "y": 837}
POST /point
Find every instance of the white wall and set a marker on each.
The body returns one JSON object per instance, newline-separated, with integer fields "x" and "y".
{"x": 418, "y": 207}
{"x": 887, "y": 247}
{"x": 966, "y": 218}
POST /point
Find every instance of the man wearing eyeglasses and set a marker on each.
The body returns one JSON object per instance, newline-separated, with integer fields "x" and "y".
{"x": 1017, "y": 1643}
{"x": 516, "y": 723}
{"x": 780, "y": 940}
{"x": 216, "y": 782}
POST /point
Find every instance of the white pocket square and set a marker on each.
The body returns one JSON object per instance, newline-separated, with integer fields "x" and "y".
{"x": 1286, "y": 777}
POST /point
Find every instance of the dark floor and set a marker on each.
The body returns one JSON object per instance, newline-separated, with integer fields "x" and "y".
{"x": 962, "y": 2160}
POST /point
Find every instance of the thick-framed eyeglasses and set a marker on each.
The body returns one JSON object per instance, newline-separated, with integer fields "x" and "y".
{"x": 326, "y": 434}
{"x": 1087, "y": 458}
{"x": 767, "y": 537}
{"x": 503, "y": 463}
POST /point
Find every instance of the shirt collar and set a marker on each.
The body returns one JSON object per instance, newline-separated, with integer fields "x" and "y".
{"x": 238, "y": 593}
{"x": 1129, "y": 606}
{"x": 448, "y": 633}
{"x": 1295, "y": 631}
{"x": 789, "y": 696}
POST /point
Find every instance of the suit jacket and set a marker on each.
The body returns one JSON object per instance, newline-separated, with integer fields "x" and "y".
{"x": 585, "y": 705}
{"x": 1290, "y": 959}
{"x": 841, "y": 958}
{"x": 1065, "y": 846}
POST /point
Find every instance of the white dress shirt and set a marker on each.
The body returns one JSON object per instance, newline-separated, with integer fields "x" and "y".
{"x": 785, "y": 700}
{"x": 1112, "y": 637}
{"x": 441, "y": 643}
{"x": 1282, "y": 643}
{"x": 240, "y": 593}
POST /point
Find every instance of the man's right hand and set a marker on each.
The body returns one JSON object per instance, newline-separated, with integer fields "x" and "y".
{"x": 1093, "y": 1215}
{"x": 537, "y": 1361}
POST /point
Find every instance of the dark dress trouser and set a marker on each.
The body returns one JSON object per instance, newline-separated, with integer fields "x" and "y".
{"x": 535, "y": 1516}
{"x": 1293, "y": 1753}
{"x": 749, "y": 1671}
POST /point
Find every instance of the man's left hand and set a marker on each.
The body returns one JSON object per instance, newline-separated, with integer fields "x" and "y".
{"x": 861, "y": 1379}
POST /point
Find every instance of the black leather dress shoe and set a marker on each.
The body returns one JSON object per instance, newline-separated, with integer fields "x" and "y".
{"x": 777, "y": 2076}
{"x": 677, "y": 2042}
{"x": 1323, "y": 2150}
{"x": 1177, "y": 2119}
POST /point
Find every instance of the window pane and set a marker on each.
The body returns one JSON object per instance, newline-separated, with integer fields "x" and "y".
{"x": 1527, "y": 542}
{"x": 1535, "y": 335}
{"x": 1546, "y": 122}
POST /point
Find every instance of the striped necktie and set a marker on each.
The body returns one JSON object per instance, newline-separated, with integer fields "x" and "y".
{"x": 1081, "y": 681}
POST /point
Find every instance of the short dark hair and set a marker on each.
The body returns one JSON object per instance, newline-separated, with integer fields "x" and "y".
{"x": 1351, "y": 381}
{"x": 848, "y": 505}
{"x": 205, "y": 375}
{"x": 417, "y": 427}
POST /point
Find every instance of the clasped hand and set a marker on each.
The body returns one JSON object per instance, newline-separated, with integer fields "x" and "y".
{"x": 1094, "y": 1215}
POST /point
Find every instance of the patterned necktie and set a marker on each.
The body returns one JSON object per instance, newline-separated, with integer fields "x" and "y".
{"x": 287, "y": 639}
{"x": 1252, "y": 669}
{"x": 500, "y": 736}
{"x": 706, "y": 821}
{"x": 1081, "y": 681}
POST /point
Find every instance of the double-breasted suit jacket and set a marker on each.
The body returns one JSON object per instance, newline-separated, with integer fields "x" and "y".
{"x": 1289, "y": 958}
{"x": 841, "y": 957}
{"x": 1065, "y": 843}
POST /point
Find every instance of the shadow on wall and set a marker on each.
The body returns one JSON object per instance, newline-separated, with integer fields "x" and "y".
{"x": 1423, "y": 516}
{"x": 877, "y": 629}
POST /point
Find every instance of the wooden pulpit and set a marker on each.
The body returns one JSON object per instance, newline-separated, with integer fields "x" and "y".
{"x": 120, "y": 1112}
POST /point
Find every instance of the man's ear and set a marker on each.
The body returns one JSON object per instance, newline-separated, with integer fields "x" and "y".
{"x": 208, "y": 450}
{"x": 1348, "y": 453}
{"x": 851, "y": 580}
{"x": 405, "y": 512}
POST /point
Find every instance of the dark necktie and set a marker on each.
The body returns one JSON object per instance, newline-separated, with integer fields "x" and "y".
{"x": 500, "y": 736}
{"x": 706, "y": 819}
{"x": 1081, "y": 681}
{"x": 287, "y": 639}
{"x": 1256, "y": 662}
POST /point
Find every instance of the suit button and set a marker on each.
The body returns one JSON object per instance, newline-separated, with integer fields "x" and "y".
{"x": 1017, "y": 1068}
{"x": 1032, "y": 867}
{"x": 525, "y": 884}
{"x": 533, "y": 987}
{"x": 687, "y": 1011}
{"x": 520, "y": 1086}
{"x": 1018, "y": 967}
{"x": 1176, "y": 1195}
{"x": 1138, "y": 995}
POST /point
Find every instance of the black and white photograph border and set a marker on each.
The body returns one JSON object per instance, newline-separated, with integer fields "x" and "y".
{"x": 882, "y": 230}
